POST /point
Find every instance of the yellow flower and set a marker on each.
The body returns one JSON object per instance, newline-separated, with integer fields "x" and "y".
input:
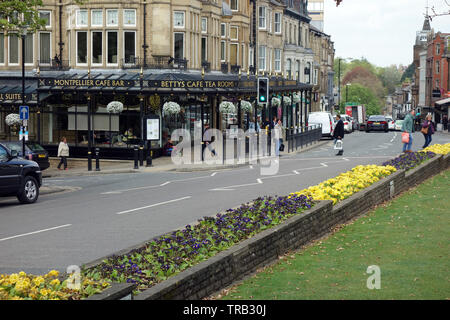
{"x": 38, "y": 281}
{"x": 53, "y": 273}
{"x": 55, "y": 282}
{"x": 13, "y": 278}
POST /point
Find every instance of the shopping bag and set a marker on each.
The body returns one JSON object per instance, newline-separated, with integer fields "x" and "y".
{"x": 338, "y": 145}
{"x": 405, "y": 137}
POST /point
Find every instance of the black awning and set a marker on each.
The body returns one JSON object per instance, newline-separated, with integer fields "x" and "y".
{"x": 11, "y": 91}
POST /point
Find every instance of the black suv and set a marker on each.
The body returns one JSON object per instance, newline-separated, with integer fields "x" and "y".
{"x": 18, "y": 177}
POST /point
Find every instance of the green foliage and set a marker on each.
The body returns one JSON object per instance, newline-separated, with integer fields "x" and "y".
{"x": 409, "y": 72}
{"x": 19, "y": 14}
{"x": 363, "y": 95}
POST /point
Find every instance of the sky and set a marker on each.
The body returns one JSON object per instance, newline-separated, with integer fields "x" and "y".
{"x": 382, "y": 31}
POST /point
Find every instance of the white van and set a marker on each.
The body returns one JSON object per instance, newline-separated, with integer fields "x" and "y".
{"x": 325, "y": 119}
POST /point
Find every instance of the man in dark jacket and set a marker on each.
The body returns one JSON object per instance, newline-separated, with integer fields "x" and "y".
{"x": 338, "y": 133}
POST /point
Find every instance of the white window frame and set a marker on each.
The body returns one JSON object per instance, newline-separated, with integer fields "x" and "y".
{"x": 4, "y": 50}
{"x": 277, "y": 60}
{"x": 265, "y": 18}
{"x": 135, "y": 44}
{"x": 92, "y": 48}
{"x": 9, "y": 50}
{"x": 279, "y": 24}
{"x": 184, "y": 19}
{"x": 206, "y": 24}
{"x": 223, "y": 44}
{"x": 92, "y": 18}
{"x": 32, "y": 51}
{"x": 125, "y": 24}
{"x": 39, "y": 47}
{"x": 237, "y": 6}
{"x": 237, "y": 52}
{"x": 49, "y": 17}
{"x": 184, "y": 44}
{"x": 78, "y": 24}
{"x": 237, "y": 33}
{"x": 76, "y": 49}
{"x": 224, "y": 33}
{"x": 116, "y": 24}
{"x": 107, "y": 48}
{"x": 260, "y": 57}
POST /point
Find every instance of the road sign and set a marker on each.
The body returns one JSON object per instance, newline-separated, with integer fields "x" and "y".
{"x": 24, "y": 112}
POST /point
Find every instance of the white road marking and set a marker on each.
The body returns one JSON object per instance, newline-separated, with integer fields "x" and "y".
{"x": 259, "y": 180}
{"x": 35, "y": 232}
{"x": 323, "y": 164}
{"x": 213, "y": 174}
{"x": 296, "y": 172}
{"x": 164, "y": 184}
{"x": 153, "y": 205}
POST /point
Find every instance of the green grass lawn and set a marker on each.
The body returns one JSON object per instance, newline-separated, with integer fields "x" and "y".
{"x": 407, "y": 238}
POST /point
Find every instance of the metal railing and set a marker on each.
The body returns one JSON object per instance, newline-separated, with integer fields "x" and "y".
{"x": 161, "y": 62}
{"x": 300, "y": 137}
{"x": 53, "y": 64}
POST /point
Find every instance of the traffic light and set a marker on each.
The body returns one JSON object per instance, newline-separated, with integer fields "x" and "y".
{"x": 263, "y": 90}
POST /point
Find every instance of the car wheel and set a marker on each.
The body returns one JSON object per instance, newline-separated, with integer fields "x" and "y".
{"x": 30, "y": 191}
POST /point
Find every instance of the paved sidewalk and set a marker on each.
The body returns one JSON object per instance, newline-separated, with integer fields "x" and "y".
{"x": 78, "y": 167}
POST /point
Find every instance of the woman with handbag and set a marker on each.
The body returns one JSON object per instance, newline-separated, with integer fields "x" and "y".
{"x": 338, "y": 133}
{"x": 63, "y": 153}
{"x": 408, "y": 128}
{"x": 427, "y": 130}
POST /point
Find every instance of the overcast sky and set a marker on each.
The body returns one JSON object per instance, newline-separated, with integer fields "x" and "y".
{"x": 383, "y": 32}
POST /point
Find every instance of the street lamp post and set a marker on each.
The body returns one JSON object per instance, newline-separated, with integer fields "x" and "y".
{"x": 23, "y": 35}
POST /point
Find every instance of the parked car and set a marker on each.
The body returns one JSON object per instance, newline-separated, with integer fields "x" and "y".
{"x": 398, "y": 125}
{"x": 33, "y": 151}
{"x": 348, "y": 126}
{"x": 377, "y": 122}
{"x": 325, "y": 119}
{"x": 354, "y": 124}
{"x": 391, "y": 123}
{"x": 18, "y": 177}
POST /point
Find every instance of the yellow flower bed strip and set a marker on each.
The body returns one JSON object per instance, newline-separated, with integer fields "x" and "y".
{"x": 439, "y": 148}
{"x": 347, "y": 183}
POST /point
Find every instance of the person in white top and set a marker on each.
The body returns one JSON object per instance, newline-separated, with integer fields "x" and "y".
{"x": 63, "y": 153}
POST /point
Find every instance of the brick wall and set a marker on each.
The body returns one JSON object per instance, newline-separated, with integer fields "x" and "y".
{"x": 246, "y": 257}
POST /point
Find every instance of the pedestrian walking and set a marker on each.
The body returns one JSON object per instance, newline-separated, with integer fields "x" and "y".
{"x": 63, "y": 153}
{"x": 338, "y": 133}
{"x": 278, "y": 137}
{"x": 408, "y": 128}
{"x": 427, "y": 130}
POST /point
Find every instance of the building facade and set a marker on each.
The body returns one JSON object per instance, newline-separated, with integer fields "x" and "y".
{"x": 144, "y": 53}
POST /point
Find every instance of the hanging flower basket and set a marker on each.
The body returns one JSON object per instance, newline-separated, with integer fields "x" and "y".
{"x": 296, "y": 97}
{"x": 13, "y": 119}
{"x": 227, "y": 107}
{"x": 171, "y": 108}
{"x": 114, "y": 107}
{"x": 287, "y": 101}
{"x": 276, "y": 102}
{"x": 246, "y": 106}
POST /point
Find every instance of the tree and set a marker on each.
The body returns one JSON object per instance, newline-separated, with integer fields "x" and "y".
{"x": 409, "y": 72}
{"x": 363, "y": 95}
{"x": 364, "y": 77}
{"x": 18, "y": 14}
{"x": 390, "y": 77}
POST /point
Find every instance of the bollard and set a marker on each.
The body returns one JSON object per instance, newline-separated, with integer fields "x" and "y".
{"x": 136, "y": 160}
{"x": 97, "y": 159}
{"x": 141, "y": 155}
{"x": 149, "y": 158}
{"x": 89, "y": 161}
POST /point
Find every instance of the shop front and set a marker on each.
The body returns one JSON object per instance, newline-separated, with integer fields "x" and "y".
{"x": 76, "y": 106}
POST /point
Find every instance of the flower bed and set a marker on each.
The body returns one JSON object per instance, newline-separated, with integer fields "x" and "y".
{"x": 410, "y": 160}
{"x": 438, "y": 148}
{"x": 174, "y": 252}
{"x": 22, "y": 286}
{"x": 347, "y": 183}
